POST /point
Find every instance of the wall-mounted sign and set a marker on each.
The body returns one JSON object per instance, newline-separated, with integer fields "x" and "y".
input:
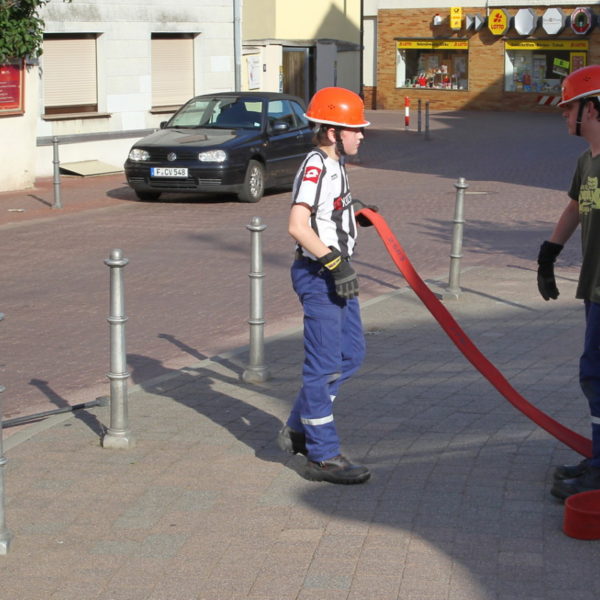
{"x": 478, "y": 22}
{"x": 432, "y": 44}
{"x": 456, "y": 14}
{"x": 12, "y": 89}
{"x": 564, "y": 45}
{"x": 582, "y": 20}
{"x": 498, "y": 21}
{"x": 474, "y": 22}
{"x": 553, "y": 21}
{"x": 525, "y": 21}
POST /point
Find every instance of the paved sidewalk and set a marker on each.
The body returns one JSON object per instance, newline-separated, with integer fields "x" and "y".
{"x": 206, "y": 506}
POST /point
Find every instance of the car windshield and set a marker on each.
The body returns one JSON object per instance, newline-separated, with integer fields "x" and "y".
{"x": 219, "y": 113}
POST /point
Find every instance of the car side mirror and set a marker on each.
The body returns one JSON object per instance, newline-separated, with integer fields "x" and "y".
{"x": 163, "y": 124}
{"x": 280, "y": 127}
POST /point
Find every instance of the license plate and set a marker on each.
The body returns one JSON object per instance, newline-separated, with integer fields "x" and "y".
{"x": 168, "y": 172}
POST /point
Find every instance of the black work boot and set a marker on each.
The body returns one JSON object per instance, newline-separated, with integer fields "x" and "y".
{"x": 590, "y": 480}
{"x": 292, "y": 441}
{"x": 571, "y": 471}
{"x": 336, "y": 470}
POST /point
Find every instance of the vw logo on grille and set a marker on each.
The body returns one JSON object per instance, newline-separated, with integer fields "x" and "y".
{"x": 171, "y": 156}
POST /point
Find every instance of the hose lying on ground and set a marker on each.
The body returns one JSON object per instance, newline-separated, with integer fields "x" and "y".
{"x": 565, "y": 435}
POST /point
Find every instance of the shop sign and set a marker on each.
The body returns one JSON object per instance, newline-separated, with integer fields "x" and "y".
{"x": 498, "y": 21}
{"x": 12, "y": 89}
{"x": 565, "y": 45}
{"x": 478, "y": 22}
{"x": 474, "y": 22}
{"x": 432, "y": 45}
{"x": 582, "y": 20}
{"x": 525, "y": 21}
{"x": 553, "y": 21}
{"x": 456, "y": 14}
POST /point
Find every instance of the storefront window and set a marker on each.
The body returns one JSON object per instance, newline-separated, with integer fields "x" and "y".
{"x": 541, "y": 65}
{"x": 436, "y": 64}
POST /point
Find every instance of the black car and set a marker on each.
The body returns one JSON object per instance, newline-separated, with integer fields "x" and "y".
{"x": 240, "y": 142}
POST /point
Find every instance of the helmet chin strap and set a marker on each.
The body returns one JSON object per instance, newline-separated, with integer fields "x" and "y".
{"x": 339, "y": 145}
{"x": 582, "y": 104}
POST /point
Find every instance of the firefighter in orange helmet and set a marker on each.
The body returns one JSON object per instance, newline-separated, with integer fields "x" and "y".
{"x": 580, "y": 102}
{"x": 323, "y": 224}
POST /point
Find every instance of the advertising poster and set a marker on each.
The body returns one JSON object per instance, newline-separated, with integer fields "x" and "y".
{"x": 12, "y": 86}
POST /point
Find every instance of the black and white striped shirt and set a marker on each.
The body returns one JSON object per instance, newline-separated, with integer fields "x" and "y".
{"x": 321, "y": 185}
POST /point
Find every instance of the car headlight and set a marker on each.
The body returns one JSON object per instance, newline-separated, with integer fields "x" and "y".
{"x": 213, "y": 156}
{"x": 137, "y": 155}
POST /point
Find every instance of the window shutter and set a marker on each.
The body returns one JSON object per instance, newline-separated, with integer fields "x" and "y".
{"x": 172, "y": 70}
{"x": 69, "y": 71}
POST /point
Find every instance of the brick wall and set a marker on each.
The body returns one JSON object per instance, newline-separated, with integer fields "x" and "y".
{"x": 486, "y": 62}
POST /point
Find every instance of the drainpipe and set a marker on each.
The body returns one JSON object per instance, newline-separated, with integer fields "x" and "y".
{"x": 237, "y": 42}
{"x": 362, "y": 50}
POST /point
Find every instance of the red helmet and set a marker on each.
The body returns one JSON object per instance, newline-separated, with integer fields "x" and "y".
{"x": 581, "y": 83}
{"x": 337, "y": 106}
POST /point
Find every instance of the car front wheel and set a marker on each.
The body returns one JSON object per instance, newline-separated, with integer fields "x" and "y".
{"x": 148, "y": 196}
{"x": 254, "y": 183}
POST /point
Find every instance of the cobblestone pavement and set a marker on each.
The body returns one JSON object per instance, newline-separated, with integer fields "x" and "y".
{"x": 206, "y": 507}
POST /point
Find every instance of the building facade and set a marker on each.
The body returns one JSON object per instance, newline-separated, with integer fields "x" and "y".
{"x": 298, "y": 49}
{"x": 110, "y": 72}
{"x": 478, "y": 55}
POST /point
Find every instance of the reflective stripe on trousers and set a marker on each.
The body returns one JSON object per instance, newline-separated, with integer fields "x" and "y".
{"x": 334, "y": 348}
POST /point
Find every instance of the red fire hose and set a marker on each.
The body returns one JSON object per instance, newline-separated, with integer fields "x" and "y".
{"x": 568, "y": 437}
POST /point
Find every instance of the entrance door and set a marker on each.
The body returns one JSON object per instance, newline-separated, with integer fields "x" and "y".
{"x": 298, "y": 72}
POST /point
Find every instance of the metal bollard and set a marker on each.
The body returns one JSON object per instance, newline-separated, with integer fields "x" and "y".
{"x": 118, "y": 434}
{"x": 56, "y": 170}
{"x": 419, "y": 115}
{"x": 256, "y": 372}
{"x": 427, "y": 136}
{"x": 453, "y": 290}
{"x": 5, "y": 535}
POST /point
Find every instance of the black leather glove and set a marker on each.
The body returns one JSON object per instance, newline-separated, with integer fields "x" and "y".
{"x": 361, "y": 219}
{"x": 545, "y": 275}
{"x": 344, "y": 276}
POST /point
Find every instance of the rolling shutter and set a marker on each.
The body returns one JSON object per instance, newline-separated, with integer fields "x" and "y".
{"x": 172, "y": 69}
{"x": 69, "y": 72}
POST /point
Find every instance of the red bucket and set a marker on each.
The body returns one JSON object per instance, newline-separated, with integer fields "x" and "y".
{"x": 582, "y": 516}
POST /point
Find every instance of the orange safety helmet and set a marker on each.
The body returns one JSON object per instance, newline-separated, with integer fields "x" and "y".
{"x": 580, "y": 84}
{"x": 337, "y": 106}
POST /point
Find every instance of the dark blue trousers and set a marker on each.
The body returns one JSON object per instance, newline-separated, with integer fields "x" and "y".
{"x": 334, "y": 348}
{"x": 589, "y": 373}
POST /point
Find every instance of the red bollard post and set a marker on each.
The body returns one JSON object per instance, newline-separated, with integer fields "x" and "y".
{"x": 406, "y": 112}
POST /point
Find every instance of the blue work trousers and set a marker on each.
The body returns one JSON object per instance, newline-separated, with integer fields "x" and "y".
{"x": 334, "y": 348}
{"x": 589, "y": 373}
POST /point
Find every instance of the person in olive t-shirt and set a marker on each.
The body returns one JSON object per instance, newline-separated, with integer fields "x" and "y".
{"x": 581, "y": 109}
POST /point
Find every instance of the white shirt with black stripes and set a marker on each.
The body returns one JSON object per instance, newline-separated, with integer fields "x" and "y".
{"x": 321, "y": 185}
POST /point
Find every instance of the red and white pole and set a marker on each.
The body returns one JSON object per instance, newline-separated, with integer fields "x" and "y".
{"x": 406, "y": 112}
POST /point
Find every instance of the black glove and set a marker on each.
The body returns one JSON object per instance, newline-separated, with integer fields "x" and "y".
{"x": 344, "y": 276}
{"x": 361, "y": 219}
{"x": 545, "y": 275}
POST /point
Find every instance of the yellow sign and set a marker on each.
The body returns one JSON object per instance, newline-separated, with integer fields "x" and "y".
{"x": 498, "y": 21}
{"x": 432, "y": 45}
{"x": 456, "y": 14}
{"x": 581, "y": 45}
